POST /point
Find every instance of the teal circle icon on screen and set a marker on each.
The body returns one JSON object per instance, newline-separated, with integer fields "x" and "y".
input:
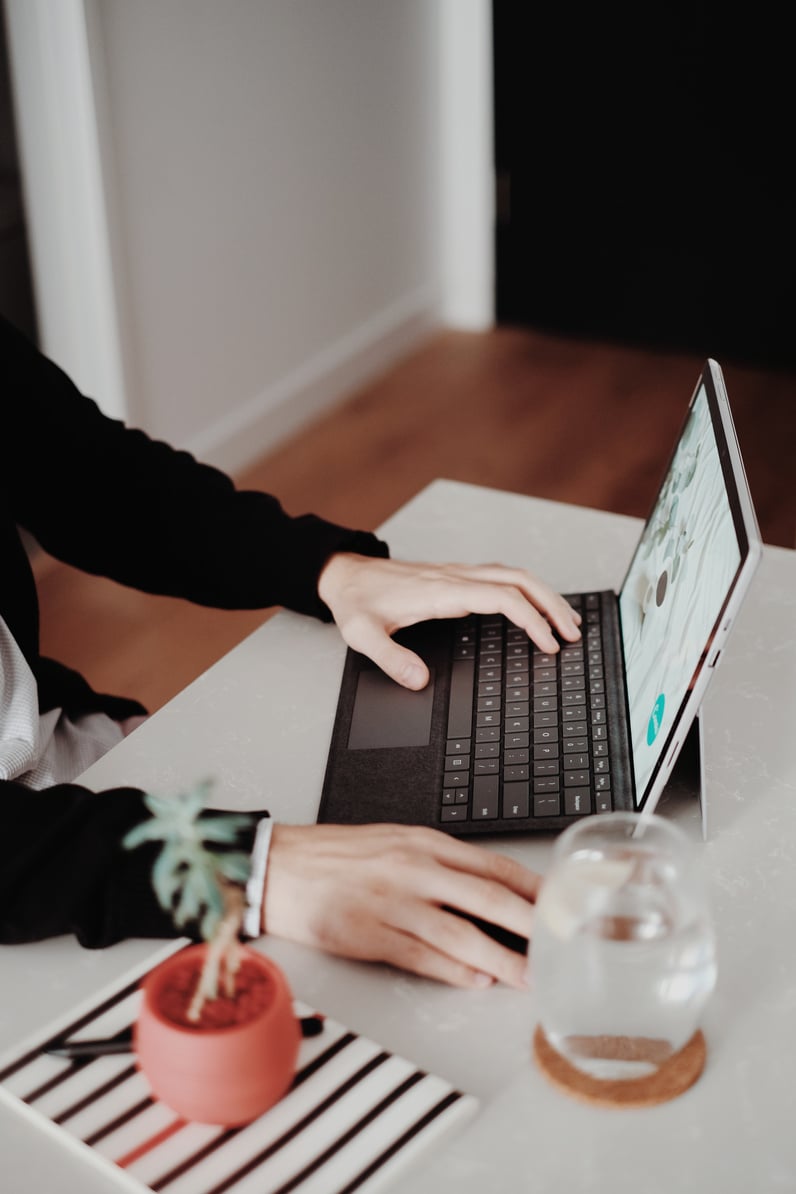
{"x": 656, "y": 719}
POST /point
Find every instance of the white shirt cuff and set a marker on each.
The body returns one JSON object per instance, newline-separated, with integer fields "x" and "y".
{"x": 255, "y": 886}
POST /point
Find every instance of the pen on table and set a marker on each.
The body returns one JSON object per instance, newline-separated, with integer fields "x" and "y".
{"x": 74, "y": 1050}
{"x": 123, "y": 1042}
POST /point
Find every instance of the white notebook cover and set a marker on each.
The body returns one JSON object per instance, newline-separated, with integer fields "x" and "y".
{"x": 355, "y": 1116}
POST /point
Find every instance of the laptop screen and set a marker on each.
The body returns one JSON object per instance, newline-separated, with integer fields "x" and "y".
{"x": 677, "y": 585}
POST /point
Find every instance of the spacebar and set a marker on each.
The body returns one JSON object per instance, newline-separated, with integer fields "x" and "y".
{"x": 460, "y": 708}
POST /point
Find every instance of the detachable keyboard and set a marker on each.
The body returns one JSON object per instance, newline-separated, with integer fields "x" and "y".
{"x": 528, "y": 732}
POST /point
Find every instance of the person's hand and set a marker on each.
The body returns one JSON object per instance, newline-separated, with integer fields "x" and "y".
{"x": 380, "y": 893}
{"x": 372, "y": 598}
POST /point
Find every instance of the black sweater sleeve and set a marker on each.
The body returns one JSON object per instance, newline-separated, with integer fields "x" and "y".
{"x": 65, "y": 870}
{"x": 110, "y": 500}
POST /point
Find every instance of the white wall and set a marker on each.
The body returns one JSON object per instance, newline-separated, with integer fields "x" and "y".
{"x": 272, "y": 173}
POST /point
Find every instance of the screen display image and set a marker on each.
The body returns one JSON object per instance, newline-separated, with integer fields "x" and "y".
{"x": 675, "y": 588}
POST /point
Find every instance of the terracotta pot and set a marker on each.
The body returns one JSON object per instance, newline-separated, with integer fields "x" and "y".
{"x": 221, "y": 1075}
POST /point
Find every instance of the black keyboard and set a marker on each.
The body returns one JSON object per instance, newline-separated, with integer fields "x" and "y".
{"x": 527, "y": 731}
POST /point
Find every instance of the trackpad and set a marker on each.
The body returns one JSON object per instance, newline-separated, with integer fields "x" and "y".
{"x": 385, "y": 714}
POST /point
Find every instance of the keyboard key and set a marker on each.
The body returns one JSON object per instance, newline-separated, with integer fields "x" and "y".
{"x": 575, "y": 762}
{"x": 547, "y": 806}
{"x": 456, "y": 779}
{"x": 545, "y": 750}
{"x": 513, "y": 740}
{"x": 546, "y": 719}
{"x": 453, "y": 812}
{"x": 487, "y": 734}
{"x": 576, "y": 779}
{"x": 465, "y": 651}
{"x": 545, "y": 784}
{"x": 457, "y": 763}
{"x": 517, "y": 772}
{"x": 486, "y": 766}
{"x": 516, "y": 756}
{"x": 548, "y": 734}
{"x": 485, "y": 797}
{"x": 487, "y": 750}
{"x": 572, "y": 716}
{"x": 516, "y": 800}
{"x": 546, "y": 768}
{"x": 575, "y": 745}
{"x": 458, "y": 746}
{"x": 577, "y": 801}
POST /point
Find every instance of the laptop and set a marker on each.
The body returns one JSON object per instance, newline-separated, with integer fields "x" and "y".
{"x": 509, "y": 739}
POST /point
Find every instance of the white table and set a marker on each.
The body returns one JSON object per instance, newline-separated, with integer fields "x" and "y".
{"x": 248, "y": 721}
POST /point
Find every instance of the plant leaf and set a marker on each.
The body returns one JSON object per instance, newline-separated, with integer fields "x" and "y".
{"x": 167, "y": 878}
{"x": 235, "y": 867}
{"x": 144, "y": 831}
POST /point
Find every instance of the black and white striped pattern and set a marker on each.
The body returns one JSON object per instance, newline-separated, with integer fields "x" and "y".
{"x": 353, "y": 1116}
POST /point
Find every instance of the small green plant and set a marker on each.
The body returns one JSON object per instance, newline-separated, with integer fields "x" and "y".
{"x": 195, "y": 880}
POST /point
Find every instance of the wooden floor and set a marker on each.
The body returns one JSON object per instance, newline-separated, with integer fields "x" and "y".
{"x": 567, "y": 420}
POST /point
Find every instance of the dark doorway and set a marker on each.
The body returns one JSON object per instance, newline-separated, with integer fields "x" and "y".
{"x": 644, "y": 177}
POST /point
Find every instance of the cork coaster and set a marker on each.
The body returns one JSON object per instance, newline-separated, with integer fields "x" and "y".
{"x": 676, "y": 1072}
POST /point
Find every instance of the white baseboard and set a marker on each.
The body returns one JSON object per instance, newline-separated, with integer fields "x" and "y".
{"x": 240, "y": 438}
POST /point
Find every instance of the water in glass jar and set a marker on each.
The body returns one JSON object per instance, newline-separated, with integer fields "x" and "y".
{"x": 622, "y": 960}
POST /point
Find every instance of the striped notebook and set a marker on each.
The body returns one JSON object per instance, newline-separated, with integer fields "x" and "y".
{"x": 353, "y": 1118}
